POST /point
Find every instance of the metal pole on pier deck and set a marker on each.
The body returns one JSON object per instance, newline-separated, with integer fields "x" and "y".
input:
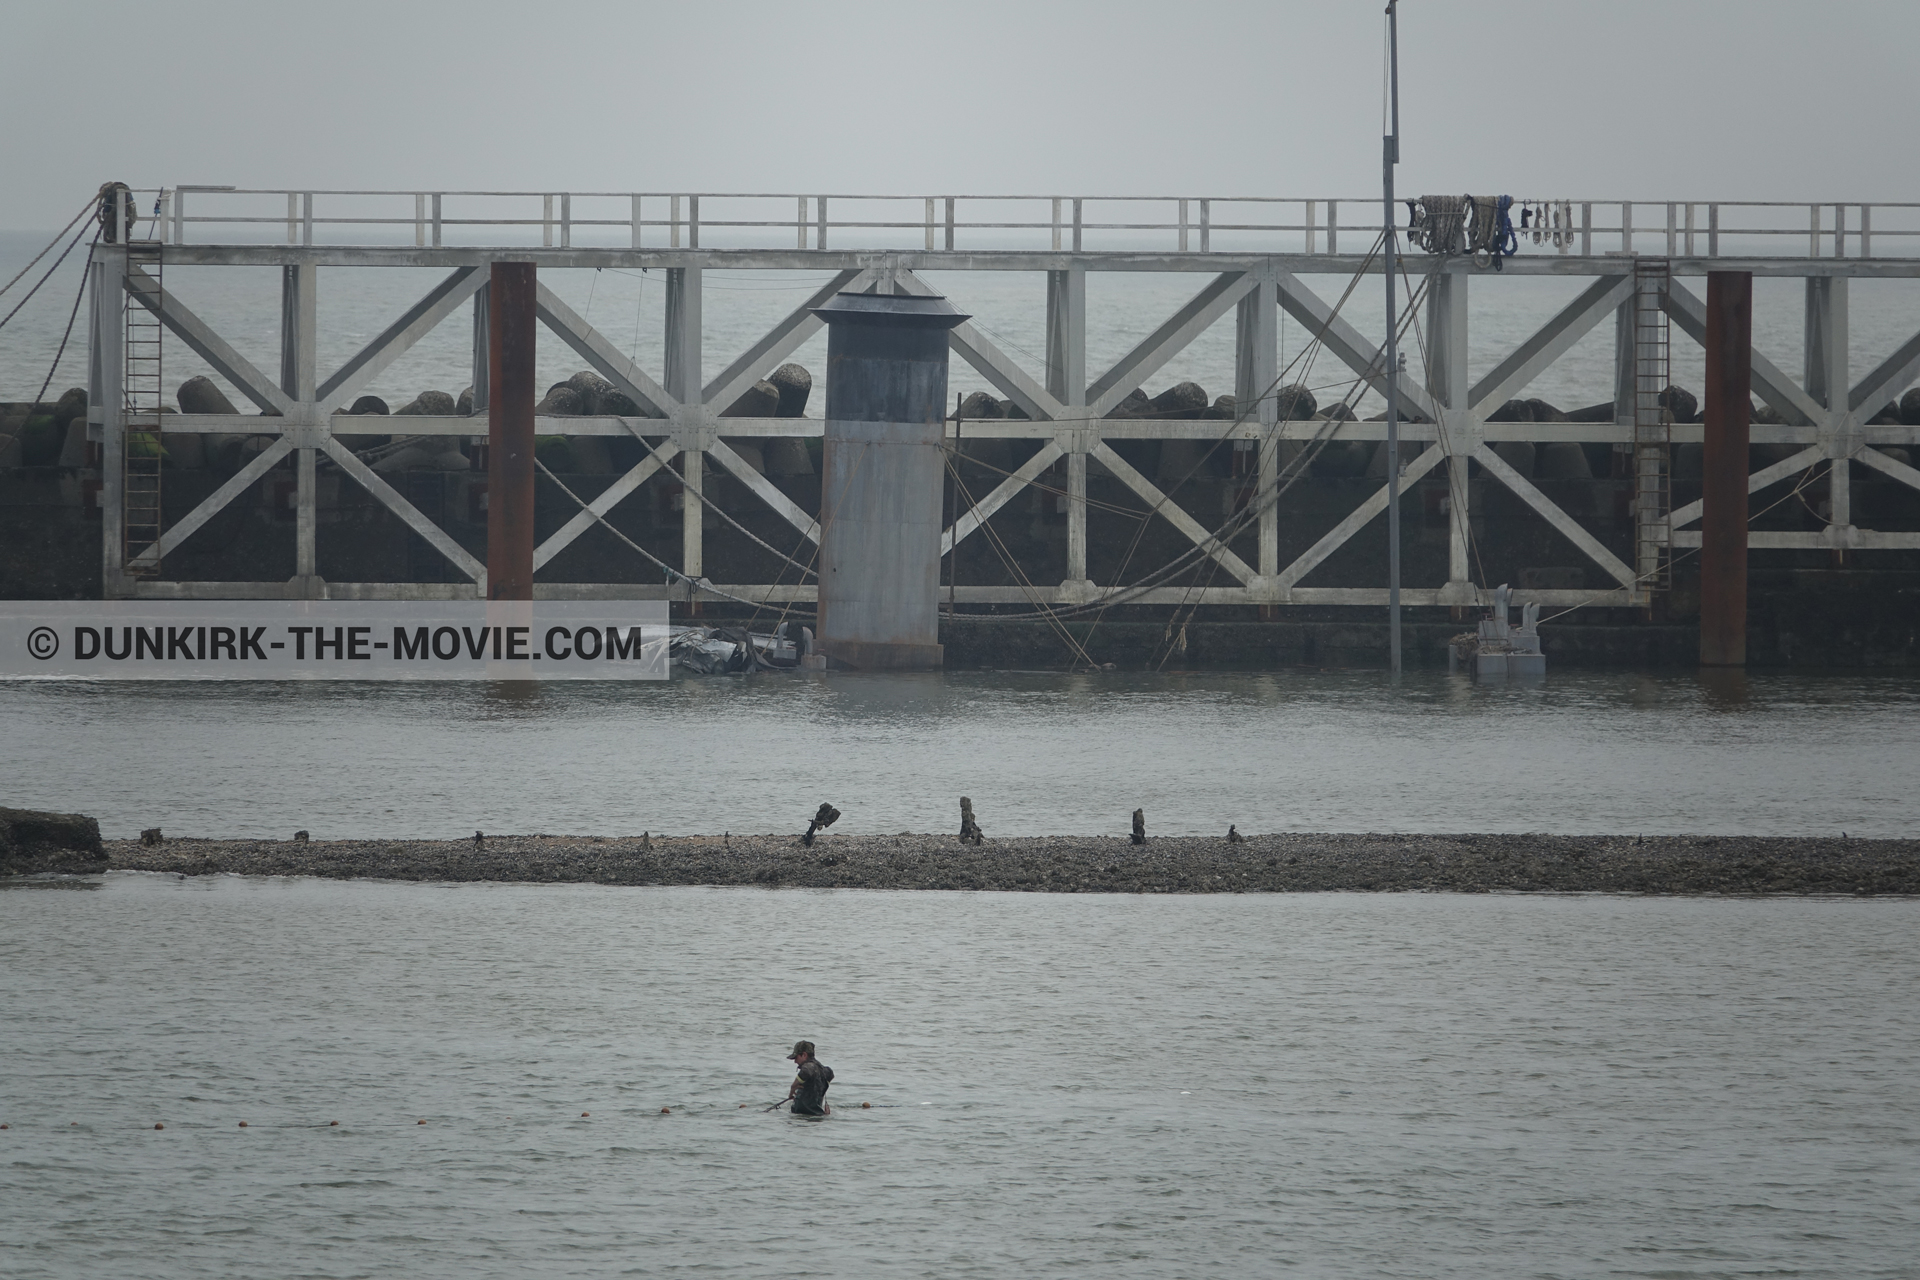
{"x": 1723, "y": 488}
{"x": 511, "y": 332}
{"x": 1390, "y": 155}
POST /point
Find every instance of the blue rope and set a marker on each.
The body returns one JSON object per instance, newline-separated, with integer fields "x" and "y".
{"x": 1505, "y": 242}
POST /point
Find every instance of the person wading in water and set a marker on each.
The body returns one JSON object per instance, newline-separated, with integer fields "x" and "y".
{"x": 809, "y": 1091}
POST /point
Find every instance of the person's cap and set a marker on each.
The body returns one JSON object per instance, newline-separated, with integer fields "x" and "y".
{"x": 803, "y": 1046}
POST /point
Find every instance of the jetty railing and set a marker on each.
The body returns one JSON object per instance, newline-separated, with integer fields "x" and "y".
{"x": 941, "y": 223}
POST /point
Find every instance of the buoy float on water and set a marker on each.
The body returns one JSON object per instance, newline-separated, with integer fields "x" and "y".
{"x": 585, "y": 1114}
{"x": 419, "y": 1121}
{"x": 333, "y": 1124}
{"x": 866, "y": 1106}
{"x": 243, "y": 1124}
{"x": 665, "y": 1110}
{"x": 159, "y": 1126}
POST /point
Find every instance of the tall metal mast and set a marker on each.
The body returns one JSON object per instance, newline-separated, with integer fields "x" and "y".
{"x": 1390, "y": 155}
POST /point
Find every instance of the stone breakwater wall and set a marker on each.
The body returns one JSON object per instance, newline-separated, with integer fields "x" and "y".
{"x": 1739, "y": 865}
{"x": 31, "y": 840}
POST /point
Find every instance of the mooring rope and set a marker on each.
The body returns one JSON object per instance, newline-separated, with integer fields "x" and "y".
{"x": 1807, "y": 477}
{"x": 697, "y": 584}
{"x": 1267, "y": 497}
{"x": 67, "y": 333}
{"x": 85, "y": 209}
{"x": 78, "y": 236}
{"x": 1006, "y": 558}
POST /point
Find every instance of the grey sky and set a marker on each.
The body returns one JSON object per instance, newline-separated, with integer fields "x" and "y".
{"x": 1651, "y": 99}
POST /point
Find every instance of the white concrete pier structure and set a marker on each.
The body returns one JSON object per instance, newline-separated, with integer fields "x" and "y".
{"x": 1255, "y": 254}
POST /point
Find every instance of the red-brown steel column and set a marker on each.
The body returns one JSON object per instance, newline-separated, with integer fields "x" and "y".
{"x": 1723, "y": 492}
{"x": 510, "y": 332}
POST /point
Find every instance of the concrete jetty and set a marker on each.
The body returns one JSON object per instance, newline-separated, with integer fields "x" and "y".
{"x": 1244, "y": 504}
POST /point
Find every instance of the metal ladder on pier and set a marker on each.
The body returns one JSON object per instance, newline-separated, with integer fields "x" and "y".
{"x": 1652, "y": 425}
{"x": 142, "y": 455}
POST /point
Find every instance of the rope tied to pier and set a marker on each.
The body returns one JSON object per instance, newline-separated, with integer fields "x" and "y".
{"x": 700, "y": 584}
{"x": 73, "y": 312}
{"x": 1265, "y": 496}
{"x": 1043, "y": 610}
{"x": 1807, "y": 477}
{"x": 1175, "y": 635}
{"x": 19, "y": 275}
{"x": 77, "y": 238}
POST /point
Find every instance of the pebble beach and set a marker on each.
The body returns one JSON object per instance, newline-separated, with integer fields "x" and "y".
{"x": 1288, "y": 863}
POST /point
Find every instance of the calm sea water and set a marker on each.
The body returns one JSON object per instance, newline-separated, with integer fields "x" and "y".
{"x": 1039, "y": 753}
{"x": 1322, "y": 1085}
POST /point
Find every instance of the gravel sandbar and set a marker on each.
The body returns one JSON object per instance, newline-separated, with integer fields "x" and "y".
{"x": 1292, "y": 863}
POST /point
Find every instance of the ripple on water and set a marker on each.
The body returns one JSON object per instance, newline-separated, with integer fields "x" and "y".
{"x": 1342, "y": 1084}
{"x": 1039, "y": 754}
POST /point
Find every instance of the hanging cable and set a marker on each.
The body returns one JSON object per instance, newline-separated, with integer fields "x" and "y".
{"x": 1266, "y": 498}
{"x": 1013, "y": 566}
{"x": 67, "y": 333}
{"x": 695, "y": 495}
{"x": 1306, "y": 355}
{"x": 85, "y": 209}
{"x": 698, "y": 584}
{"x": 78, "y": 236}
{"x": 1807, "y": 478}
{"x": 1410, "y": 315}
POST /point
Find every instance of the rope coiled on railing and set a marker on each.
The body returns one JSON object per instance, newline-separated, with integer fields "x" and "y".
{"x": 1490, "y": 232}
{"x": 1436, "y": 223}
{"x": 1448, "y": 225}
